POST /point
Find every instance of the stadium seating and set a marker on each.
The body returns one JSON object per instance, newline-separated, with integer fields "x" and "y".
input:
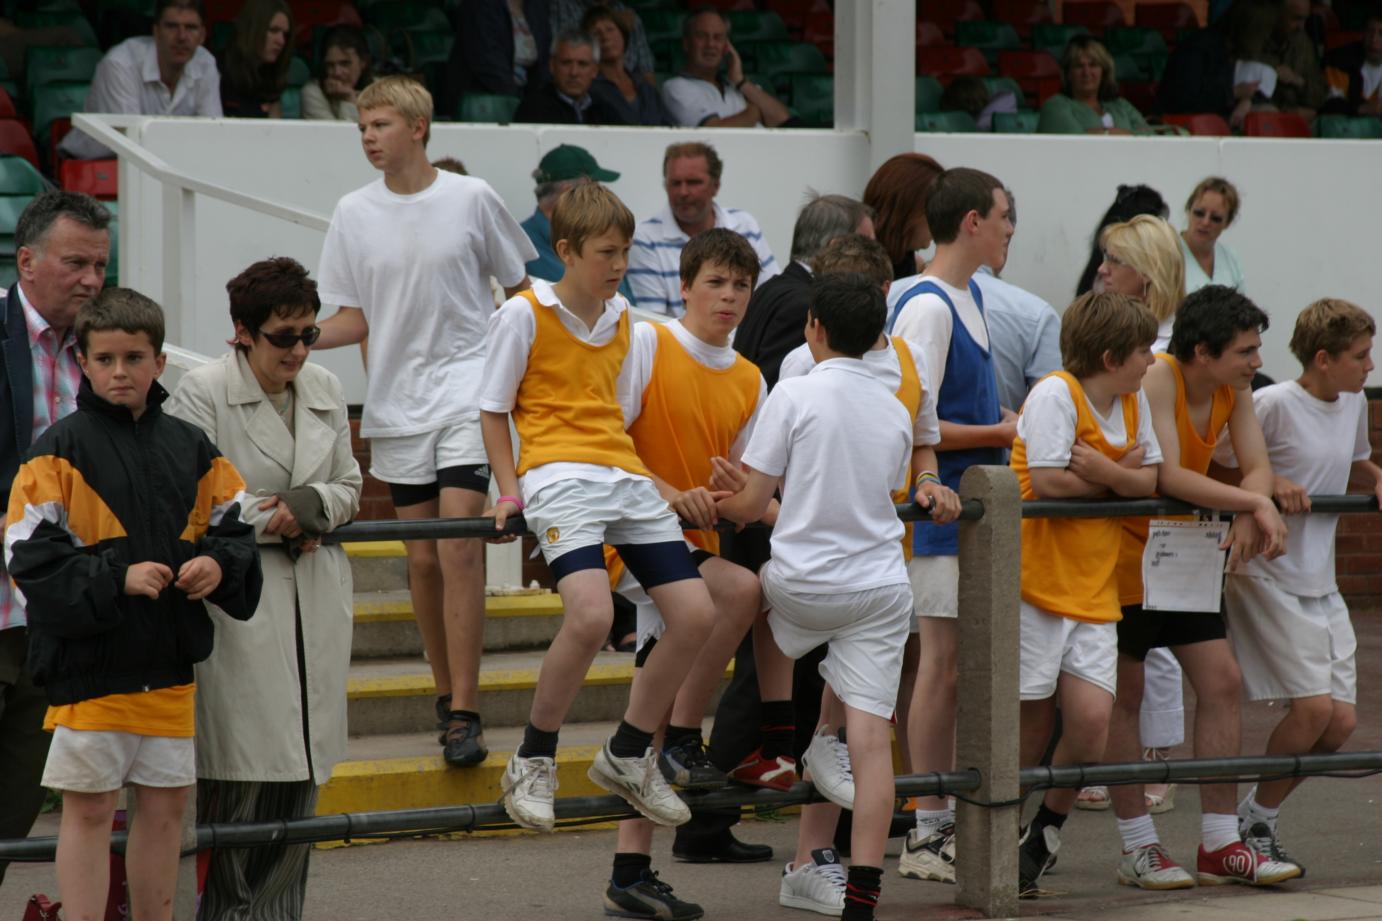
{"x": 813, "y": 98}
{"x": 776, "y": 59}
{"x": 753, "y": 26}
{"x": 928, "y": 34}
{"x": 948, "y": 13}
{"x": 485, "y": 107}
{"x": 1052, "y": 37}
{"x": 950, "y": 61}
{"x": 998, "y": 85}
{"x": 98, "y": 178}
{"x": 19, "y": 177}
{"x": 15, "y": 140}
{"x": 1022, "y": 14}
{"x": 1341, "y": 126}
{"x": 1021, "y": 122}
{"x": 44, "y": 65}
{"x": 69, "y": 18}
{"x": 1168, "y": 18}
{"x": 951, "y": 122}
{"x": 1276, "y": 125}
{"x": 1037, "y": 72}
{"x": 988, "y": 37}
{"x": 413, "y": 16}
{"x": 929, "y": 92}
{"x": 7, "y": 108}
{"x": 663, "y": 25}
{"x": 794, "y": 12}
{"x": 55, "y": 100}
{"x": 1204, "y": 123}
{"x": 1095, "y": 15}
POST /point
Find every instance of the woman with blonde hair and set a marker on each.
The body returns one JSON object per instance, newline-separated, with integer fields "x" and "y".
{"x": 1142, "y": 258}
{"x": 1209, "y": 211}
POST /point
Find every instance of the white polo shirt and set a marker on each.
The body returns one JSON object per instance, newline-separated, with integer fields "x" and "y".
{"x": 655, "y": 260}
{"x": 692, "y": 102}
{"x": 127, "y": 81}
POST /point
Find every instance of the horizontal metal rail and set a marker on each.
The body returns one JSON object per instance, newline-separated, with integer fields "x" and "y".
{"x": 491, "y": 816}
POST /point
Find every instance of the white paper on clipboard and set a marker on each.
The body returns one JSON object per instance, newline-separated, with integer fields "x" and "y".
{"x": 1182, "y": 566}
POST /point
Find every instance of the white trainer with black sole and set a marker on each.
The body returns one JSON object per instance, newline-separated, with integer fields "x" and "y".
{"x": 639, "y": 782}
{"x": 930, "y": 858}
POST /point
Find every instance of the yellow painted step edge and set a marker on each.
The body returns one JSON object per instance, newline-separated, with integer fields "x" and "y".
{"x": 508, "y": 679}
{"x": 394, "y": 610}
{"x": 374, "y": 549}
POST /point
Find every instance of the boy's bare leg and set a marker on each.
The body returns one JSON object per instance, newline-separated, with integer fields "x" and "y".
{"x": 83, "y": 858}
{"x": 1340, "y": 721}
{"x": 870, "y": 754}
{"x": 736, "y": 598}
{"x": 1125, "y": 736}
{"x": 773, "y": 666}
{"x": 463, "y": 600}
{"x": 151, "y": 860}
{"x": 1218, "y": 684}
{"x": 911, "y": 661}
{"x": 689, "y": 614}
{"x": 589, "y": 611}
{"x": 931, "y": 720}
{"x": 425, "y": 588}
{"x": 1036, "y": 721}
{"x": 1085, "y": 710}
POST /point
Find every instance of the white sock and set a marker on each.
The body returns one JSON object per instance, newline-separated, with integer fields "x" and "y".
{"x": 1138, "y": 832}
{"x": 1256, "y": 812}
{"x": 929, "y": 822}
{"x": 1218, "y": 830}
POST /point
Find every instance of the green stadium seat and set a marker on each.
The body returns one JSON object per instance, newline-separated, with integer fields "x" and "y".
{"x": 813, "y": 97}
{"x": 987, "y": 36}
{"x": 113, "y": 265}
{"x": 929, "y": 92}
{"x": 220, "y": 37}
{"x": 1342, "y": 126}
{"x": 424, "y": 48}
{"x": 299, "y": 72}
{"x": 775, "y": 58}
{"x": 291, "y": 102}
{"x": 50, "y": 64}
{"x": 1135, "y": 40}
{"x": 422, "y": 17}
{"x": 1052, "y": 37}
{"x": 663, "y": 25}
{"x": 19, "y": 177}
{"x": 487, "y": 107}
{"x": 1126, "y": 67}
{"x": 11, "y": 207}
{"x": 998, "y": 85}
{"x": 55, "y": 100}
{"x": 753, "y": 26}
{"x": 71, "y": 18}
{"x": 951, "y": 122}
{"x": 1023, "y": 121}
{"x": 9, "y": 272}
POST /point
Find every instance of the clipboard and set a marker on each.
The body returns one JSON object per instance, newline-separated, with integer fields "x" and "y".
{"x": 1182, "y": 565}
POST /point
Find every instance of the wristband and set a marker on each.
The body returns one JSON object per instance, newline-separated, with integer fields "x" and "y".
{"x": 512, "y": 500}
{"x": 924, "y": 476}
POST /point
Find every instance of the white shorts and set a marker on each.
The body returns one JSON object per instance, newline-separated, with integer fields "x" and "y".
{"x": 91, "y": 761}
{"x": 1052, "y": 644}
{"x": 935, "y": 585}
{"x": 1289, "y": 645}
{"x": 866, "y": 630}
{"x": 570, "y": 514}
{"x": 415, "y": 459}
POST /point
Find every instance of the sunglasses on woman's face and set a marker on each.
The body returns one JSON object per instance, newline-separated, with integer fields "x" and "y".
{"x": 288, "y": 340}
{"x": 1200, "y": 214}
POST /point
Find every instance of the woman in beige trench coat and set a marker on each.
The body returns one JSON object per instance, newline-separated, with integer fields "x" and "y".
{"x": 271, "y": 699}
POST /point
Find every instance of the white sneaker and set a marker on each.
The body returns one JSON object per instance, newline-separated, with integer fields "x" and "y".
{"x": 1150, "y": 867}
{"x": 930, "y": 858}
{"x": 817, "y": 886}
{"x": 529, "y": 786}
{"x": 639, "y": 781}
{"x": 827, "y": 759}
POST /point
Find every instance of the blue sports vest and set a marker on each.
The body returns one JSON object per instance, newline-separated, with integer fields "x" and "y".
{"x": 967, "y": 396}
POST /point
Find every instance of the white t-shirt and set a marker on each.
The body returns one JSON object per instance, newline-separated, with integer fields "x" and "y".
{"x": 1163, "y": 335}
{"x": 1048, "y": 420}
{"x": 926, "y": 322}
{"x": 1311, "y": 443}
{"x": 841, "y": 442}
{"x": 885, "y": 364}
{"x": 512, "y": 330}
{"x": 691, "y": 101}
{"x": 638, "y": 371}
{"x": 419, "y": 267}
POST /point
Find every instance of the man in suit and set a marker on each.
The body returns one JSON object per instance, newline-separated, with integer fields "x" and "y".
{"x": 774, "y": 325}
{"x": 62, "y": 248}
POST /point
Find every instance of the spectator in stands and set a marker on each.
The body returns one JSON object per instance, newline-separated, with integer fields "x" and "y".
{"x": 254, "y": 68}
{"x": 699, "y": 98}
{"x": 967, "y": 93}
{"x": 271, "y": 699}
{"x": 1128, "y": 203}
{"x": 1300, "y": 85}
{"x": 566, "y": 99}
{"x": 691, "y": 175}
{"x": 1089, "y": 102}
{"x": 897, "y": 193}
{"x": 568, "y": 14}
{"x": 346, "y": 68}
{"x": 168, "y": 73}
{"x": 632, "y": 96}
{"x": 1202, "y": 75}
{"x": 62, "y": 245}
{"x": 1209, "y": 211}
{"x": 501, "y": 48}
{"x": 1354, "y": 72}
{"x": 559, "y": 170}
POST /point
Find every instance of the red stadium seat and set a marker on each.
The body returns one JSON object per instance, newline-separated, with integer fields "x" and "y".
{"x": 1141, "y": 93}
{"x": 1337, "y": 39}
{"x": 1094, "y": 15}
{"x": 726, "y": 6}
{"x": 1276, "y": 125}
{"x": 1037, "y": 72}
{"x": 1170, "y": 19}
{"x": 309, "y": 14}
{"x": 949, "y": 61}
{"x": 928, "y": 34}
{"x": 16, "y": 139}
{"x": 98, "y": 178}
{"x": 945, "y": 13}
{"x": 819, "y": 27}
{"x": 221, "y": 10}
{"x": 797, "y": 13}
{"x": 1204, "y": 123}
{"x": 1022, "y": 14}
{"x": 7, "y": 109}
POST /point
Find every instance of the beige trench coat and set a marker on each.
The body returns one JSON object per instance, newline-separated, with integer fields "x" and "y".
{"x": 251, "y": 723}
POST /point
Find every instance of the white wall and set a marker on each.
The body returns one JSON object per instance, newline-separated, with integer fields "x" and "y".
{"x": 1307, "y": 226}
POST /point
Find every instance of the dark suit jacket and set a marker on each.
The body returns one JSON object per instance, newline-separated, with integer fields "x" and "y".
{"x": 543, "y": 105}
{"x": 16, "y": 393}
{"x": 482, "y": 58}
{"x": 776, "y": 321}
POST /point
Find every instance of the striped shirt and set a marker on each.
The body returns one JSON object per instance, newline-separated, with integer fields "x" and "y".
{"x": 56, "y": 379}
{"x": 655, "y": 260}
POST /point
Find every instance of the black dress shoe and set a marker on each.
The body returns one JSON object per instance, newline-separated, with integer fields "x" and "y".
{"x": 728, "y": 849}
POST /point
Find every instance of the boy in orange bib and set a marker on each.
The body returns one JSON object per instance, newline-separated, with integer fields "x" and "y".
{"x": 1084, "y": 432}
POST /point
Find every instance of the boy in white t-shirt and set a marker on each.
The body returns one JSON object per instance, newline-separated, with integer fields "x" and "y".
{"x": 942, "y": 316}
{"x": 1287, "y": 622}
{"x": 554, "y": 357}
{"x": 407, "y": 260}
{"x": 837, "y": 573}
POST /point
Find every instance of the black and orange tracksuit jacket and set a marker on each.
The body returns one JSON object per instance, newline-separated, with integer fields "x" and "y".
{"x": 97, "y": 493}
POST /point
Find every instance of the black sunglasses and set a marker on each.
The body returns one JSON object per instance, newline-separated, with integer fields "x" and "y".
{"x": 1201, "y": 214}
{"x": 288, "y": 340}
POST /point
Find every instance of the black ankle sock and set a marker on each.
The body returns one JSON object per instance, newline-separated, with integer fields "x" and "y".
{"x": 778, "y": 729}
{"x": 676, "y": 735}
{"x": 861, "y": 893}
{"x": 629, "y": 869}
{"x": 1046, "y": 817}
{"x": 538, "y": 743}
{"x": 629, "y": 741}
{"x": 443, "y": 706}
{"x": 466, "y": 714}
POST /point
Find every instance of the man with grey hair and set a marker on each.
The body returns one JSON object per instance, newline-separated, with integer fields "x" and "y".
{"x": 566, "y": 99}
{"x": 699, "y": 98}
{"x": 63, "y": 245}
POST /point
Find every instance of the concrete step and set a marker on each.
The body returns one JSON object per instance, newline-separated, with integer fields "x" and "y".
{"x": 396, "y": 695}
{"x": 377, "y": 565}
{"x": 385, "y": 626}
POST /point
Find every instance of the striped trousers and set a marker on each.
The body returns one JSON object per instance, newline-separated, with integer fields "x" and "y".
{"x": 260, "y": 883}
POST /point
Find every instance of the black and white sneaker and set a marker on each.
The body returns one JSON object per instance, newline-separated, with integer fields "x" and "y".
{"x": 687, "y": 765}
{"x": 1035, "y": 855}
{"x": 650, "y": 897}
{"x": 930, "y": 858}
{"x": 639, "y": 782}
{"x": 1260, "y": 837}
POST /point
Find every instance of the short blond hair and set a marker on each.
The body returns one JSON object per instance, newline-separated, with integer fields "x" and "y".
{"x": 1220, "y": 186}
{"x": 1103, "y": 324}
{"x": 588, "y": 210}
{"x": 1330, "y": 325}
{"x": 1151, "y": 247}
{"x": 403, "y": 94}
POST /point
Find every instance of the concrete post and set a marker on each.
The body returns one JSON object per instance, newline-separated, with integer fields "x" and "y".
{"x": 987, "y": 719}
{"x": 871, "y": 38}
